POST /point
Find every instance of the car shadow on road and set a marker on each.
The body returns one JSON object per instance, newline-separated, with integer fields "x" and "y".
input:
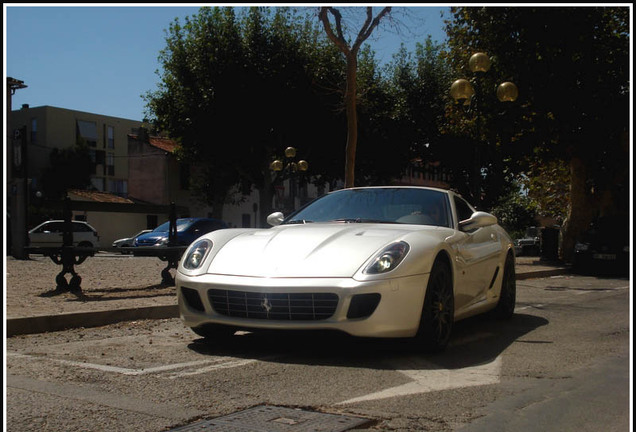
{"x": 475, "y": 341}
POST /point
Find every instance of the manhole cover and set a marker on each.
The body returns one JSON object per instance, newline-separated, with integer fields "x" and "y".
{"x": 276, "y": 419}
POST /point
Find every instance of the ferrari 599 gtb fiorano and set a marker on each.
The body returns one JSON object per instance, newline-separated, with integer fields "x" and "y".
{"x": 390, "y": 262}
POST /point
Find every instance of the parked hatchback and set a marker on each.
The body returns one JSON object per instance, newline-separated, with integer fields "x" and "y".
{"x": 51, "y": 234}
{"x": 188, "y": 230}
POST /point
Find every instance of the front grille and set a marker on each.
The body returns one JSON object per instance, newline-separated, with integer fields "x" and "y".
{"x": 278, "y": 306}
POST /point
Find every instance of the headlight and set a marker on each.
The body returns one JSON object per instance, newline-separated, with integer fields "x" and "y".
{"x": 196, "y": 254}
{"x": 163, "y": 241}
{"x": 388, "y": 259}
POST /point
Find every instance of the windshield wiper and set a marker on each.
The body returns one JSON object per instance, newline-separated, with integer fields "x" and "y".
{"x": 298, "y": 222}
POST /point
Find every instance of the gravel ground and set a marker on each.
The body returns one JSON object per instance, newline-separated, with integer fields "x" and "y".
{"x": 109, "y": 281}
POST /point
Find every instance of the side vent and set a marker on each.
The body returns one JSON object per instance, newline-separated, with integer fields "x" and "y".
{"x": 492, "y": 282}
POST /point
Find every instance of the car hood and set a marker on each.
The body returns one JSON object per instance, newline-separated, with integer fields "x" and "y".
{"x": 310, "y": 250}
{"x": 150, "y": 238}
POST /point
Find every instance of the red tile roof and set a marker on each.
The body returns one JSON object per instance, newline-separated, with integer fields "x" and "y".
{"x": 104, "y": 197}
{"x": 165, "y": 144}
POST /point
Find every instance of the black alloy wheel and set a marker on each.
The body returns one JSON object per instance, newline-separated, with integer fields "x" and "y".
{"x": 438, "y": 313}
{"x": 508, "y": 296}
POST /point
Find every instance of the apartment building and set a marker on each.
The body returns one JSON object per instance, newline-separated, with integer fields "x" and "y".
{"x": 50, "y": 127}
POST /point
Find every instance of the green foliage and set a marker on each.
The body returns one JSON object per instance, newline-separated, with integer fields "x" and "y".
{"x": 571, "y": 65}
{"x": 236, "y": 90}
{"x": 547, "y": 183}
{"x": 69, "y": 168}
{"x": 515, "y": 211}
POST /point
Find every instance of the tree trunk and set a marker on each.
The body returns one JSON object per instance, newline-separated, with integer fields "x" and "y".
{"x": 581, "y": 211}
{"x": 352, "y": 120}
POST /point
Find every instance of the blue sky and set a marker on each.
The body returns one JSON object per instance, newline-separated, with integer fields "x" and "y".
{"x": 102, "y": 59}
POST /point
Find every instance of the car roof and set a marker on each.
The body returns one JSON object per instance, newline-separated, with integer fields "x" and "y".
{"x": 62, "y": 220}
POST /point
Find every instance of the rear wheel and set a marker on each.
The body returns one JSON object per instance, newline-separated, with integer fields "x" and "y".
{"x": 438, "y": 312}
{"x": 508, "y": 296}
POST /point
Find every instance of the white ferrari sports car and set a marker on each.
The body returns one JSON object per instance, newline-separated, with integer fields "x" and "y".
{"x": 389, "y": 262}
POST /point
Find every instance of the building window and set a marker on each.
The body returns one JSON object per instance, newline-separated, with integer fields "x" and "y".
{"x": 98, "y": 183}
{"x": 118, "y": 187}
{"x": 87, "y": 132}
{"x": 110, "y": 137}
{"x": 109, "y": 169}
{"x": 93, "y": 156}
{"x": 34, "y": 131}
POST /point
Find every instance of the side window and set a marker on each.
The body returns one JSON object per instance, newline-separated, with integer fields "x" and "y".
{"x": 78, "y": 227}
{"x": 207, "y": 226}
{"x": 54, "y": 227}
{"x": 463, "y": 209}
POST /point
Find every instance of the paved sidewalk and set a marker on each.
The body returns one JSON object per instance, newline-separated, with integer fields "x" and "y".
{"x": 158, "y": 303}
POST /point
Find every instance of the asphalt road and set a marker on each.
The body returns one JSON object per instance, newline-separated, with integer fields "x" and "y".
{"x": 562, "y": 363}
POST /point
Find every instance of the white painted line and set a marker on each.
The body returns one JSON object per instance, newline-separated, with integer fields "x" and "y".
{"x": 225, "y": 365}
{"x": 537, "y": 306}
{"x": 222, "y": 363}
{"x": 428, "y": 379}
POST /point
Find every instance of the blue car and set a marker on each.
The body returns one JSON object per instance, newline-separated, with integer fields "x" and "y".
{"x": 188, "y": 230}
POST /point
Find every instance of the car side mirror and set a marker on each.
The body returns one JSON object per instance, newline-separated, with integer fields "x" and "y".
{"x": 275, "y": 218}
{"x": 477, "y": 220}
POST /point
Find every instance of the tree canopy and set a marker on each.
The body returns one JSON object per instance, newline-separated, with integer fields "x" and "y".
{"x": 236, "y": 89}
{"x": 571, "y": 65}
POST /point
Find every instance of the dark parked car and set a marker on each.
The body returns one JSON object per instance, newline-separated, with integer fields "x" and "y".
{"x": 188, "y": 230}
{"x": 530, "y": 244}
{"x": 604, "y": 248}
{"x": 128, "y": 241}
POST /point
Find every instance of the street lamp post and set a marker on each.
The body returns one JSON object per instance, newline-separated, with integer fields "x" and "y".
{"x": 17, "y": 178}
{"x": 288, "y": 168}
{"x": 464, "y": 93}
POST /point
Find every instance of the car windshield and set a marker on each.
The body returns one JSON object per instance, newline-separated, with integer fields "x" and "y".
{"x": 182, "y": 225}
{"x": 378, "y": 205}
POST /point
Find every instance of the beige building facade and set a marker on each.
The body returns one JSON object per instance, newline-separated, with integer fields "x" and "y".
{"x": 50, "y": 127}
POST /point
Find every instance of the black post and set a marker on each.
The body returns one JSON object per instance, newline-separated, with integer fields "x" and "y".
{"x": 172, "y": 233}
{"x": 67, "y": 236}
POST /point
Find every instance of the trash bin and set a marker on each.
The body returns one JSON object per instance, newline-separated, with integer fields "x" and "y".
{"x": 550, "y": 243}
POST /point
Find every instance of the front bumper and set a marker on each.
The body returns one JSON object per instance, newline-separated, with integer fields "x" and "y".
{"x": 397, "y": 313}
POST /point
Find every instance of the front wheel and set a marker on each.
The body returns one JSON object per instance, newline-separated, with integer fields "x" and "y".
{"x": 508, "y": 296}
{"x": 438, "y": 312}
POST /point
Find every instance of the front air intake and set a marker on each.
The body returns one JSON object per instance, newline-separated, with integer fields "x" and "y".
{"x": 274, "y": 306}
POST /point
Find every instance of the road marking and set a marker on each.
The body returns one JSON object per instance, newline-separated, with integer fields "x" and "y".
{"x": 536, "y": 306}
{"x": 224, "y": 365}
{"x": 426, "y": 378}
{"x": 221, "y": 363}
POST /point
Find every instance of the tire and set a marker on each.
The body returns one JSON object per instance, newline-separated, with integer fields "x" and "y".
{"x": 508, "y": 296}
{"x": 212, "y": 332}
{"x": 438, "y": 312}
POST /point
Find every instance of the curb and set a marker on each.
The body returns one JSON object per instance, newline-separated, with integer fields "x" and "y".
{"x": 50, "y": 323}
{"x": 542, "y": 273}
